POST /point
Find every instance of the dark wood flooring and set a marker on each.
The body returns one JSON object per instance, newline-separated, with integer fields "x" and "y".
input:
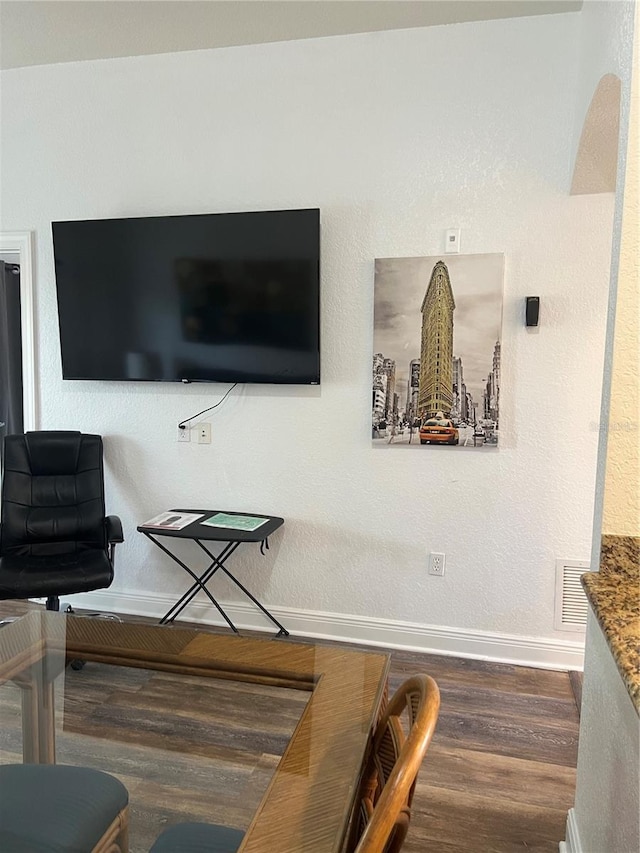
{"x": 499, "y": 775}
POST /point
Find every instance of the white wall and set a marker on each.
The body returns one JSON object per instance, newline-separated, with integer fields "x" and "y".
{"x": 606, "y": 31}
{"x": 395, "y": 136}
{"x": 621, "y": 501}
{"x": 606, "y": 39}
{"x": 605, "y": 816}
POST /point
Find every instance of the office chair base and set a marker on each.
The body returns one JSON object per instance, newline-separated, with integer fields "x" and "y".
{"x": 78, "y": 664}
{"x": 113, "y": 617}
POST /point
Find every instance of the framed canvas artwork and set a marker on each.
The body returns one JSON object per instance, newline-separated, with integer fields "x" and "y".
{"x": 436, "y": 351}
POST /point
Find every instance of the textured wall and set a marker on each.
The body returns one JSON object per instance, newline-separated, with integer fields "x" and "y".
{"x": 621, "y": 512}
{"x": 605, "y": 35}
{"x": 607, "y": 785}
{"x": 607, "y": 45}
{"x": 396, "y": 137}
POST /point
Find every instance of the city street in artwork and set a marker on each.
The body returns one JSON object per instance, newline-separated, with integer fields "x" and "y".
{"x": 436, "y": 345}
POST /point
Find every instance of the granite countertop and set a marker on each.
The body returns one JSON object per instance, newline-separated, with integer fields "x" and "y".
{"x": 614, "y": 594}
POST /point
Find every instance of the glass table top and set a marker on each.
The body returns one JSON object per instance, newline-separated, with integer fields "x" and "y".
{"x": 265, "y": 735}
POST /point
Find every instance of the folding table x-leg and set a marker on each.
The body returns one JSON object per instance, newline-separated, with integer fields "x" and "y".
{"x": 231, "y": 539}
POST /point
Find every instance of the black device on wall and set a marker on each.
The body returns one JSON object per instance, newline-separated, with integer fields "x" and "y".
{"x": 220, "y": 297}
{"x": 532, "y": 312}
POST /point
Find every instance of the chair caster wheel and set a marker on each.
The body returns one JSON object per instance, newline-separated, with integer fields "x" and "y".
{"x": 77, "y": 664}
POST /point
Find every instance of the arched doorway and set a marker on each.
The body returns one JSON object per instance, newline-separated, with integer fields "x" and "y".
{"x": 596, "y": 161}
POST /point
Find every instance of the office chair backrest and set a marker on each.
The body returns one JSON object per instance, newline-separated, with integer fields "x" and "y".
{"x": 52, "y": 493}
{"x": 399, "y": 745}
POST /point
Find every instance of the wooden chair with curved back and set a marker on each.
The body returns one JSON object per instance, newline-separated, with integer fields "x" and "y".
{"x": 389, "y": 779}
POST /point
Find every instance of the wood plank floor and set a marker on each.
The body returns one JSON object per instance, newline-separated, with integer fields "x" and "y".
{"x": 499, "y": 775}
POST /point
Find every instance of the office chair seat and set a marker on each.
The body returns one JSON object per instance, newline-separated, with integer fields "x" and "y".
{"x": 35, "y": 577}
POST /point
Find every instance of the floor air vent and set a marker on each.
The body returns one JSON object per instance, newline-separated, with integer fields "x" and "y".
{"x": 571, "y": 601}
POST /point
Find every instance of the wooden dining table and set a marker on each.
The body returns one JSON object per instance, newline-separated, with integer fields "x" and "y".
{"x": 309, "y": 801}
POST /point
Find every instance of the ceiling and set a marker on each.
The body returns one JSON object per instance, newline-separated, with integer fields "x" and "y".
{"x": 41, "y": 32}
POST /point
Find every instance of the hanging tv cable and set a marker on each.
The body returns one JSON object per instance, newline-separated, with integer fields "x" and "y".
{"x": 183, "y": 424}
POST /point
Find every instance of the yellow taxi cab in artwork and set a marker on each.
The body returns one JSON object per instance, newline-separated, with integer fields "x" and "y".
{"x": 438, "y": 430}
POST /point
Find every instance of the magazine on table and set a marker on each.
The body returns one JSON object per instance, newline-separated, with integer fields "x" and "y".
{"x": 172, "y": 520}
{"x": 248, "y": 523}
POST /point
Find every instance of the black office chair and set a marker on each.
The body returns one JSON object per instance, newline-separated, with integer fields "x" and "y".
{"x": 54, "y": 536}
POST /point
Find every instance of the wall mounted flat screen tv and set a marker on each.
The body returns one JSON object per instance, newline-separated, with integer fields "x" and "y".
{"x": 222, "y": 297}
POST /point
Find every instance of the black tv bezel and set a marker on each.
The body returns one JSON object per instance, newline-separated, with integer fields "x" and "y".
{"x": 224, "y": 378}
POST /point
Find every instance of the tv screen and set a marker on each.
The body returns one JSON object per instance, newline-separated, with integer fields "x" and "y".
{"x": 222, "y": 297}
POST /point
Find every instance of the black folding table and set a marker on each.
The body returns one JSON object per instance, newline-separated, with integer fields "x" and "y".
{"x": 230, "y": 539}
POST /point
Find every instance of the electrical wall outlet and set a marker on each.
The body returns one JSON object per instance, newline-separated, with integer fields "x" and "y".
{"x": 436, "y": 564}
{"x": 204, "y": 432}
{"x": 183, "y": 434}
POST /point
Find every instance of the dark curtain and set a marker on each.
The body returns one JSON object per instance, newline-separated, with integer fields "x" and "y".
{"x": 10, "y": 350}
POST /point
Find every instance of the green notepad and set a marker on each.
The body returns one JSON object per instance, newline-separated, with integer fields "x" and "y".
{"x": 235, "y": 522}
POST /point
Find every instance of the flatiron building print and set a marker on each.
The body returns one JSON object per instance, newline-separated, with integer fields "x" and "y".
{"x": 436, "y": 359}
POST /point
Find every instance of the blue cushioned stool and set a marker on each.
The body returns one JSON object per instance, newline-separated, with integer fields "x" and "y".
{"x": 55, "y": 808}
{"x": 198, "y": 838}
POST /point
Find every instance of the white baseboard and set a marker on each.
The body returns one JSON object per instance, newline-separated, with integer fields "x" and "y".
{"x": 571, "y": 844}
{"x": 503, "y": 648}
